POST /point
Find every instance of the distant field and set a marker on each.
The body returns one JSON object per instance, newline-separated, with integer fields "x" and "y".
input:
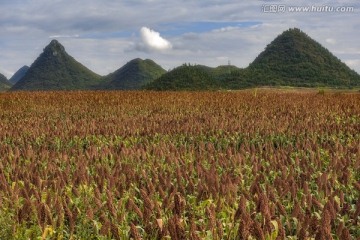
{"x": 304, "y": 89}
{"x": 254, "y": 164}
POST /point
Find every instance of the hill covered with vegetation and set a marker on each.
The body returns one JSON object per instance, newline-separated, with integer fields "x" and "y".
{"x": 55, "y": 69}
{"x": 19, "y": 74}
{"x": 291, "y": 59}
{"x": 4, "y": 83}
{"x": 295, "y": 59}
{"x": 186, "y": 77}
{"x": 133, "y": 75}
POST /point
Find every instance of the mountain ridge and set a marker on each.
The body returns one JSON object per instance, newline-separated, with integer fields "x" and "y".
{"x": 19, "y": 74}
{"x": 133, "y": 75}
{"x": 292, "y": 59}
{"x": 4, "y": 83}
{"x": 55, "y": 69}
{"x": 185, "y": 77}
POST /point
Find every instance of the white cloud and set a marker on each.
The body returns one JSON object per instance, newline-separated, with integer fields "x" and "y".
{"x": 226, "y": 29}
{"x": 153, "y": 41}
{"x": 331, "y": 40}
{"x": 65, "y": 36}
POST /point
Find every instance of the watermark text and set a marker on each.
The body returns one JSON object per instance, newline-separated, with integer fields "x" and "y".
{"x": 281, "y": 8}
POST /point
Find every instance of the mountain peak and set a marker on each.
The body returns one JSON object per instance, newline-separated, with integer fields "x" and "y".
{"x": 291, "y": 46}
{"x": 134, "y": 74}
{"x": 55, "y": 69}
{"x": 4, "y": 83}
{"x": 294, "y": 33}
{"x": 54, "y": 43}
{"x": 136, "y": 60}
{"x": 2, "y": 77}
{"x": 294, "y": 58}
{"x": 294, "y": 30}
{"x": 19, "y": 74}
{"x": 54, "y": 48}
{"x": 186, "y": 77}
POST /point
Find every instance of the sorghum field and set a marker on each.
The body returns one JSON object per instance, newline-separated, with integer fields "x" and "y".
{"x": 158, "y": 165}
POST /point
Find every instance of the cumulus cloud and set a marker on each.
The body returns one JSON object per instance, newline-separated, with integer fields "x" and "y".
{"x": 152, "y": 40}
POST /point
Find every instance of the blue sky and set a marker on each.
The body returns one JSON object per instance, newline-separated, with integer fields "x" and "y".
{"x": 104, "y": 35}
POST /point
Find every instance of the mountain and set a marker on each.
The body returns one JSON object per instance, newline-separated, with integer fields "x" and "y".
{"x": 291, "y": 59}
{"x": 4, "y": 83}
{"x": 195, "y": 77}
{"x": 55, "y": 69}
{"x": 19, "y": 74}
{"x": 295, "y": 59}
{"x": 186, "y": 77}
{"x": 133, "y": 75}
{"x": 224, "y": 69}
{"x": 222, "y": 73}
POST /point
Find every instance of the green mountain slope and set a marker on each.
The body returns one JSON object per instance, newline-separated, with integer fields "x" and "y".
{"x": 291, "y": 59}
{"x": 186, "y": 77}
{"x": 4, "y": 83}
{"x": 133, "y": 75}
{"x": 224, "y": 69}
{"x": 19, "y": 74}
{"x": 54, "y": 69}
{"x": 222, "y": 75}
{"x": 294, "y": 59}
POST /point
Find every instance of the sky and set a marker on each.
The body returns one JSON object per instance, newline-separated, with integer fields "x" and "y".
{"x": 105, "y": 34}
